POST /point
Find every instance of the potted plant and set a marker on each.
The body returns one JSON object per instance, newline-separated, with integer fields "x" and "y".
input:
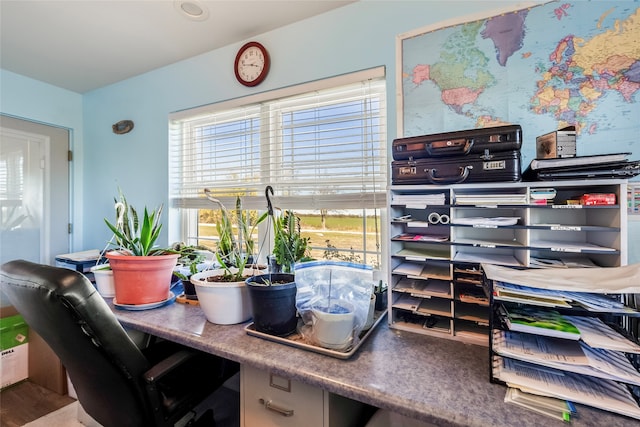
{"x": 273, "y": 295}
{"x": 141, "y": 271}
{"x": 222, "y": 292}
{"x": 192, "y": 260}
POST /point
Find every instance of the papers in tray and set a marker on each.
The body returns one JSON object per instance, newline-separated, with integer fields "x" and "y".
{"x": 569, "y": 246}
{"x": 597, "y": 392}
{"x": 490, "y": 222}
{"x": 566, "y": 355}
{"x": 418, "y": 201}
{"x": 597, "y": 334}
{"x": 474, "y": 295}
{"x": 624, "y": 279}
{"x": 491, "y": 199}
{"x": 487, "y": 243}
{"x": 410, "y": 237}
{"x": 424, "y": 271}
{"x": 424, "y": 288}
{"x": 573, "y": 262}
{"x": 593, "y": 302}
{"x": 487, "y": 257}
{"x": 503, "y": 291}
{"x": 556, "y": 408}
{"x": 423, "y": 253}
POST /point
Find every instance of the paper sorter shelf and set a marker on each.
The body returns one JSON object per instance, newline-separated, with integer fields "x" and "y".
{"x": 297, "y": 340}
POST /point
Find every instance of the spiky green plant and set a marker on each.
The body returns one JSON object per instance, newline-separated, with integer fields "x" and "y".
{"x": 233, "y": 251}
{"x": 288, "y": 244}
{"x": 130, "y": 236}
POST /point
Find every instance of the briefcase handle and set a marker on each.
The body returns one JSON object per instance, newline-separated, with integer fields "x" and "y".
{"x": 449, "y": 147}
{"x": 454, "y": 179}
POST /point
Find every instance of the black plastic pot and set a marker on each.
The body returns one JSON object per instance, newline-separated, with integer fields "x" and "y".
{"x": 381, "y": 300}
{"x": 273, "y": 301}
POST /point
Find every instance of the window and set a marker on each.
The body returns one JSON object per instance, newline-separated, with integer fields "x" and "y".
{"x": 321, "y": 146}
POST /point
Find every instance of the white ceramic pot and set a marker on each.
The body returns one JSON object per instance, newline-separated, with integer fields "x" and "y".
{"x": 223, "y": 303}
{"x": 333, "y": 325}
{"x": 104, "y": 280}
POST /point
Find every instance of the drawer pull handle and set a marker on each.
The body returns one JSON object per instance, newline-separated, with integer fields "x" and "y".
{"x": 270, "y": 406}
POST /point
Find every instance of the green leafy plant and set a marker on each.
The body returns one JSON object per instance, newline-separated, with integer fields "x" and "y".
{"x": 132, "y": 237}
{"x": 233, "y": 250}
{"x": 190, "y": 256}
{"x": 289, "y": 246}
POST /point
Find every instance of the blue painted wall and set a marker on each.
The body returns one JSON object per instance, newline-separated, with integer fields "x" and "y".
{"x": 40, "y": 102}
{"x": 354, "y": 37}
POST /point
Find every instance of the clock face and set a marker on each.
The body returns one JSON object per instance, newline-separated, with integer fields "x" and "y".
{"x": 252, "y": 64}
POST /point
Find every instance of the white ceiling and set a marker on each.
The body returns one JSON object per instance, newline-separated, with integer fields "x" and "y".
{"x": 84, "y": 45}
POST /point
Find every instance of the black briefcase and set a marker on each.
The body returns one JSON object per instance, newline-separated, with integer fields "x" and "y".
{"x": 486, "y": 167}
{"x": 458, "y": 143}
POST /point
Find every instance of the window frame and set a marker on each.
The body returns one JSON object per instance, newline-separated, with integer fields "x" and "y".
{"x": 183, "y": 213}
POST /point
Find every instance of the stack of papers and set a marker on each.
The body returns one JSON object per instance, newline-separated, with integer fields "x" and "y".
{"x": 566, "y": 355}
{"x": 424, "y": 288}
{"x": 491, "y": 199}
{"x": 487, "y": 257}
{"x": 486, "y": 222}
{"x": 561, "y": 262}
{"x": 594, "y": 302}
{"x": 418, "y": 201}
{"x": 555, "y": 408}
{"x": 424, "y": 270}
{"x": 597, "y": 392}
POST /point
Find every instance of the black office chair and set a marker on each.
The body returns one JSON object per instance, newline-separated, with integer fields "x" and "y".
{"x": 117, "y": 384}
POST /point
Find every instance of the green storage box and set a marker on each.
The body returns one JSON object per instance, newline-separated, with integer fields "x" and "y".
{"x": 13, "y": 331}
{"x": 14, "y": 350}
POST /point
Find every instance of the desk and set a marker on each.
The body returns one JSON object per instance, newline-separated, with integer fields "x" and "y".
{"x": 436, "y": 380}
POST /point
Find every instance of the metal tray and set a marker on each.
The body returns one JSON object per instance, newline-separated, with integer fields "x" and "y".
{"x": 297, "y": 340}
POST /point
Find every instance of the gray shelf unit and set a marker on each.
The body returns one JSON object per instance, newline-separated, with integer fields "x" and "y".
{"x": 452, "y": 252}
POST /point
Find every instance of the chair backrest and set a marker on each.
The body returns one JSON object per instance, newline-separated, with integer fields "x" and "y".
{"x": 104, "y": 364}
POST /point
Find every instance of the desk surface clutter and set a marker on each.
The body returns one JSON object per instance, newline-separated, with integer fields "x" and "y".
{"x": 447, "y": 386}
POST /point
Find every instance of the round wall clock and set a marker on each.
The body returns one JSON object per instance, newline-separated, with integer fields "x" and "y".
{"x": 252, "y": 64}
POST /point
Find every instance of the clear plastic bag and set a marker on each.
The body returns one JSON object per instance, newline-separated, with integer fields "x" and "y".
{"x": 333, "y": 299}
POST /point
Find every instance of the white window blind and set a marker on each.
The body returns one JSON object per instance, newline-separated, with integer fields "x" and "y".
{"x": 319, "y": 149}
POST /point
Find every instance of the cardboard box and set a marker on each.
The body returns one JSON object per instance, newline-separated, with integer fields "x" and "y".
{"x": 557, "y": 144}
{"x": 14, "y": 350}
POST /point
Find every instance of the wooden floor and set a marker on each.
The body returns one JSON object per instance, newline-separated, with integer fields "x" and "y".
{"x": 27, "y": 401}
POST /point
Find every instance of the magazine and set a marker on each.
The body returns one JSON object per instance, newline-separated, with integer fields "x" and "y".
{"x": 541, "y": 322}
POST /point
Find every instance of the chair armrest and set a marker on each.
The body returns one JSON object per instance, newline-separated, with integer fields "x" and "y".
{"x": 167, "y": 365}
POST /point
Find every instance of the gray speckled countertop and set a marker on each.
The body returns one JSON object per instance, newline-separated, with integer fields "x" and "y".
{"x": 436, "y": 380}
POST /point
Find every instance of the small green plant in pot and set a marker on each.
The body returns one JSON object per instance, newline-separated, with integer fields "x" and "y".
{"x": 141, "y": 271}
{"x": 191, "y": 261}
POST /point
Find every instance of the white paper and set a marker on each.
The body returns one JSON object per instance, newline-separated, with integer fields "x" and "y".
{"x": 624, "y": 279}
{"x": 597, "y": 334}
{"x": 596, "y": 392}
{"x": 566, "y": 355}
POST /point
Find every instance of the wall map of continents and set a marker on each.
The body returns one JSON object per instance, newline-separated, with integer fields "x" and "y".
{"x": 544, "y": 67}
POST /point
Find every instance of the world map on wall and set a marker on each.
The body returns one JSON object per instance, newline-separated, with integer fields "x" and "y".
{"x": 544, "y": 67}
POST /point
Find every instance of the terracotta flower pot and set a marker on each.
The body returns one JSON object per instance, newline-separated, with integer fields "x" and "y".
{"x": 141, "y": 279}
